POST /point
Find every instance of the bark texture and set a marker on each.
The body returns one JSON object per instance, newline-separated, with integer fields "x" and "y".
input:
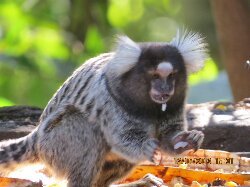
{"x": 18, "y": 121}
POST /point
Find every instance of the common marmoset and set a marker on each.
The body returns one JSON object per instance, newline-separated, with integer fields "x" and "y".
{"x": 113, "y": 112}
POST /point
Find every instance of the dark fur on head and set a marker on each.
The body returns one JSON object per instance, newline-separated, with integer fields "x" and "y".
{"x": 134, "y": 86}
{"x": 133, "y": 62}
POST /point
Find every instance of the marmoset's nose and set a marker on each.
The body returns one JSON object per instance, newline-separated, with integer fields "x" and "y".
{"x": 164, "y": 69}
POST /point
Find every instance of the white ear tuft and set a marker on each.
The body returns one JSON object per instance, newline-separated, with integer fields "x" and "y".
{"x": 193, "y": 49}
{"x": 126, "y": 56}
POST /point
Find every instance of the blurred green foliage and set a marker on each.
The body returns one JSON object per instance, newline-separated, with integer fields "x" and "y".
{"x": 208, "y": 73}
{"x": 42, "y": 41}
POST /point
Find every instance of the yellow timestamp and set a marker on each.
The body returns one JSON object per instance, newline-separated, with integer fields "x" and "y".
{"x": 218, "y": 161}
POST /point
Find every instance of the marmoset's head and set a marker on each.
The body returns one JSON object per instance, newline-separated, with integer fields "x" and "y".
{"x": 155, "y": 74}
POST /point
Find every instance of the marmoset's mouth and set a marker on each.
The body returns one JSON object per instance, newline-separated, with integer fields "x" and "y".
{"x": 160, "y": 98}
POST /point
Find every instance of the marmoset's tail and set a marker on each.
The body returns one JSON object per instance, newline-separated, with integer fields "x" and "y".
{"x": 17, "y": 152}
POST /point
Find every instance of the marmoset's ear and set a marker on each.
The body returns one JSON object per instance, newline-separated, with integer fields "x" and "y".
{"x": 126, "y": 56}
{"x": 193, "y": 49}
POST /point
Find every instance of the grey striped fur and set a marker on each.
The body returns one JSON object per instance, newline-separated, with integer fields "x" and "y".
{"x": 85, "y": 134}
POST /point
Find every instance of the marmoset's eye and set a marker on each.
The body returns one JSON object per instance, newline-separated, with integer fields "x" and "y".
{"x": 172, "y": 75}
{"x": 156, "y": 76}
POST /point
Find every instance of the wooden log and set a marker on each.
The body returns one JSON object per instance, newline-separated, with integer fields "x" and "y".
{"x": 226, "y": 125}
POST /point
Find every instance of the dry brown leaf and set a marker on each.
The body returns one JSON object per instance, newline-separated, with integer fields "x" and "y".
{"x": 202, "y": 166}
{"x": 14, "y": 182}
{"x": 188, "y": 175}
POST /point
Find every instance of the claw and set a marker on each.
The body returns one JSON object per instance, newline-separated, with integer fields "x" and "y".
{"x": 195, "y": 149}
{"x": 150, "y": 148}
{"x": 185, "y": 140}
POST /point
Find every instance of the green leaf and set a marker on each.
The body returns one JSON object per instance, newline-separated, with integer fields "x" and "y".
{"x": 208, "y": 73}
{"x": 120, "y": 13}
{"x": 5, "y": 102}
{"x": 94, "y": 43}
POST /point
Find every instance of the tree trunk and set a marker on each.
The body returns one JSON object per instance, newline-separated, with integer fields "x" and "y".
{"x": 84, "y": 13}
{"x": 232, "y": 19}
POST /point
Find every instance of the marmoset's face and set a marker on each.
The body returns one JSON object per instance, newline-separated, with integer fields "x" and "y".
{"x": 152, "y": 74}
{"x": 163, "y": 68}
